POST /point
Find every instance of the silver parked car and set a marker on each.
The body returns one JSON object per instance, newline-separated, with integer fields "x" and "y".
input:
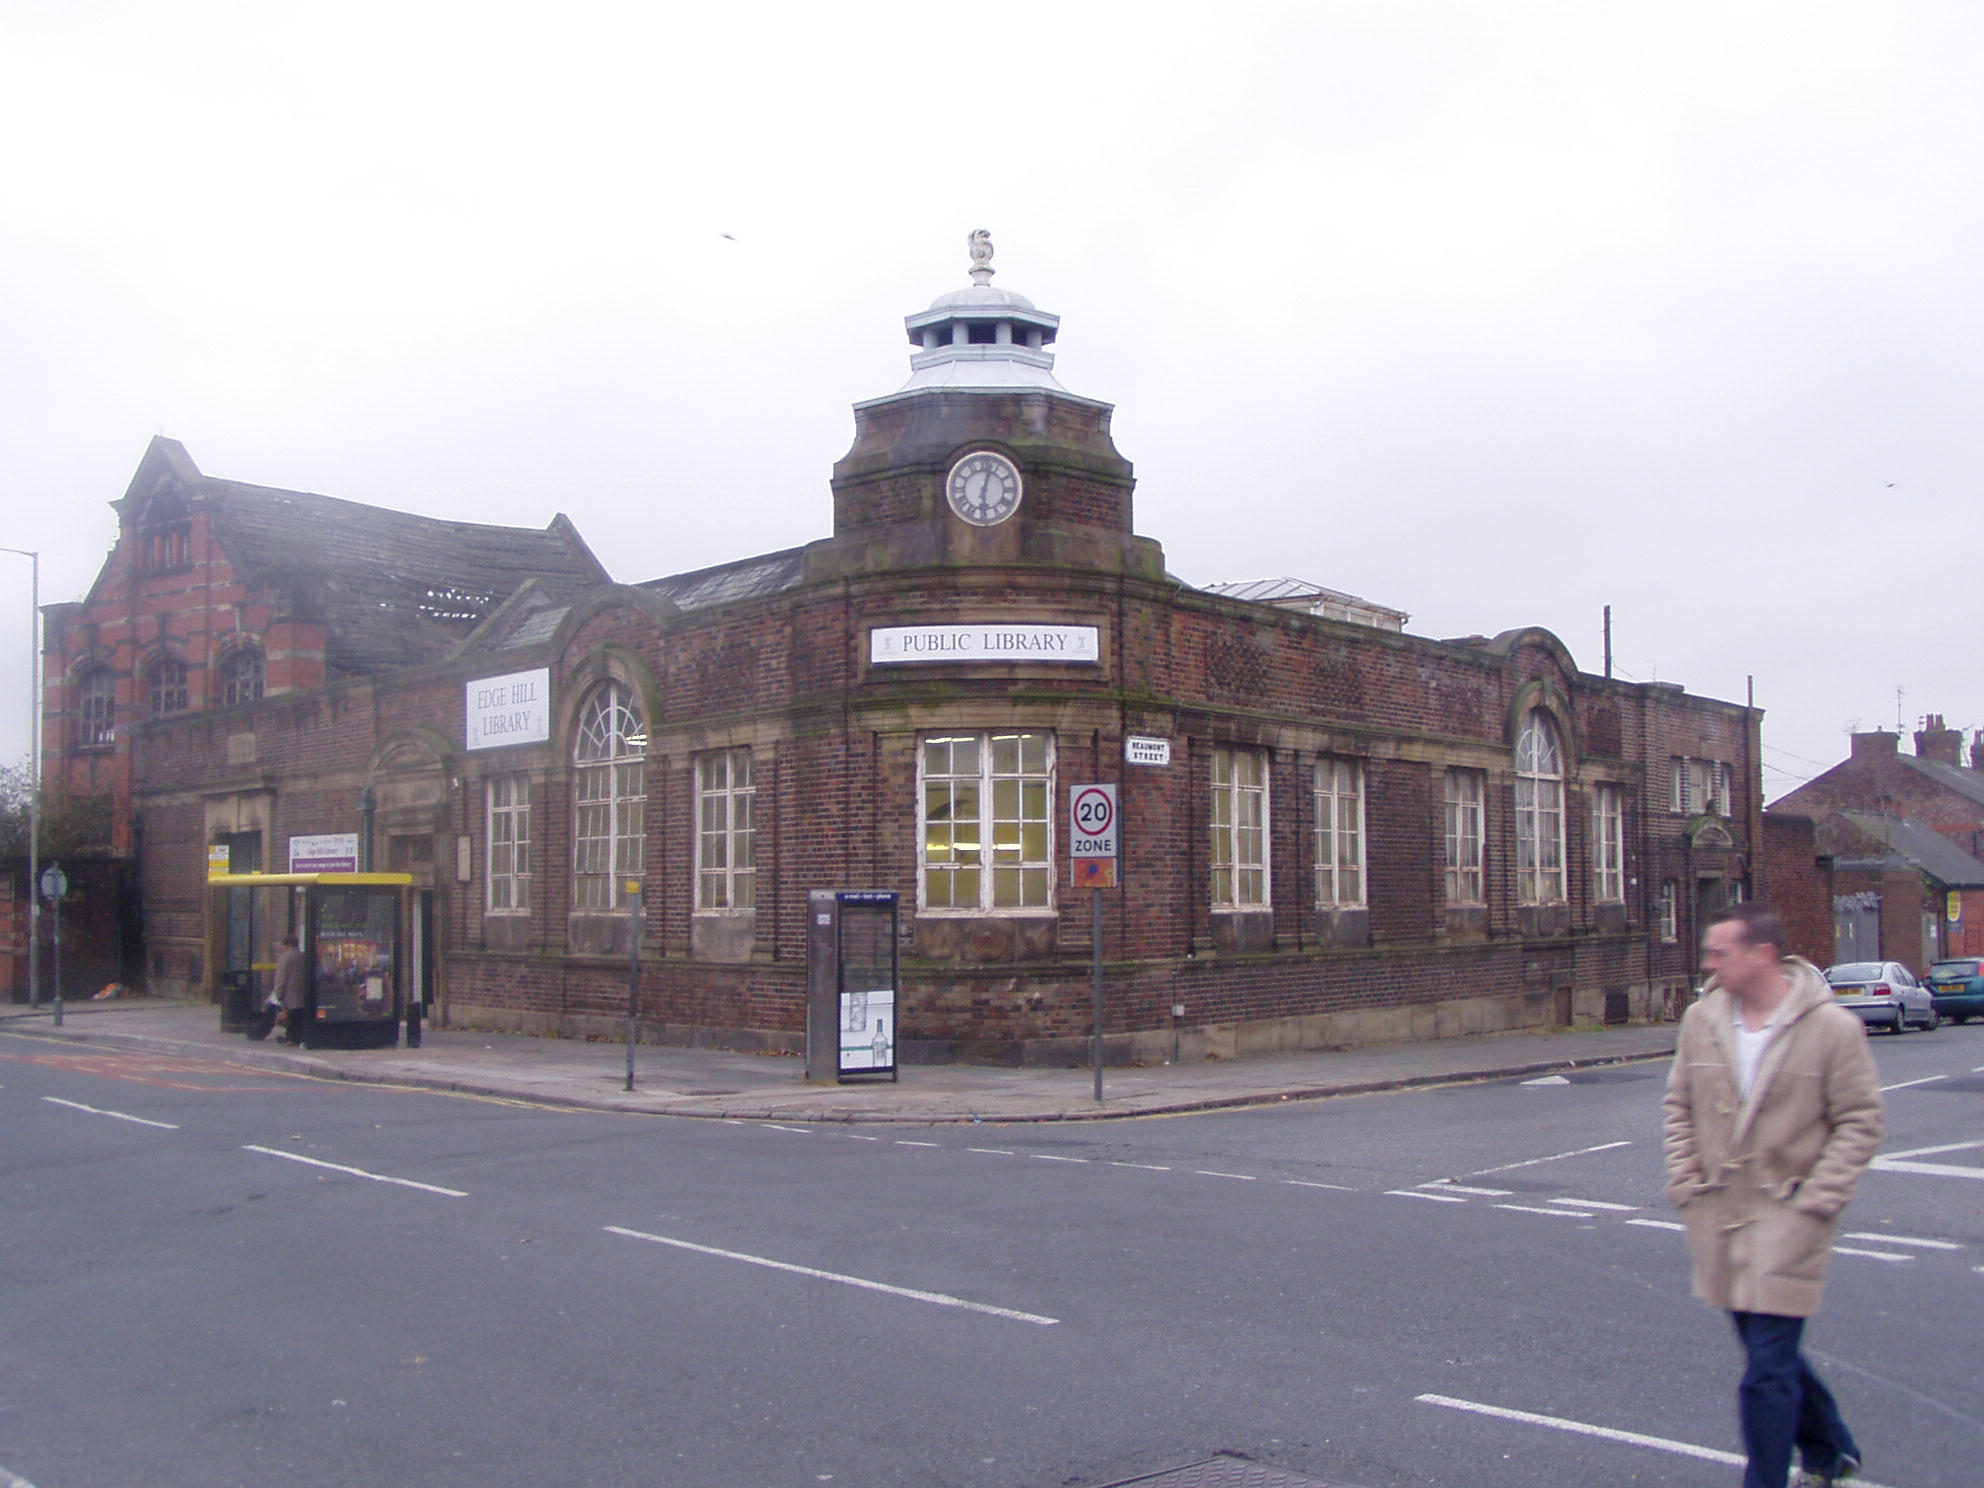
{"x": 1884, "y": 993}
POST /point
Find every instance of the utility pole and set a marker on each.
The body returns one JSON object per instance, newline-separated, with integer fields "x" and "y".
{"x": 34, "y": 773}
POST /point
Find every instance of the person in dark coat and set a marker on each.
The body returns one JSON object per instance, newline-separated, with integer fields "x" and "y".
{"x": 289, "y": 989}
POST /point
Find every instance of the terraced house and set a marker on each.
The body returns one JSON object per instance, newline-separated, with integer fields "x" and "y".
{"x": 1332, "y": 830}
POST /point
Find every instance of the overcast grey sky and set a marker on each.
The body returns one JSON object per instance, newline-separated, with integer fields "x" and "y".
{"x": 1495, "y": 314}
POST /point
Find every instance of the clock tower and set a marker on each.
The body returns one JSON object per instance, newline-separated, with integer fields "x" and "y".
{"x": 982, "y": 456}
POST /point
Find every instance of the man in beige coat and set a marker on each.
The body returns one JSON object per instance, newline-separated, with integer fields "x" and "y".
{"x": 1773, "y": 1110}
{"x": 291, "y": 988}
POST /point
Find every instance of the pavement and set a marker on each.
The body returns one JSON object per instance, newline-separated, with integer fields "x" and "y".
{"x": 723, "y": 1084}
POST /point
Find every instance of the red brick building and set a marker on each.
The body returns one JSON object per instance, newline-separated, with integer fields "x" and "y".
{"x": 1795, "y": 878}
{"x": 1359, "y": 833}
{"x": 1905, "y": 832}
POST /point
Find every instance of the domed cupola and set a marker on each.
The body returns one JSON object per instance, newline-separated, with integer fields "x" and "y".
{"x": 982, "y": 337}
{"x": 982, "y": 457}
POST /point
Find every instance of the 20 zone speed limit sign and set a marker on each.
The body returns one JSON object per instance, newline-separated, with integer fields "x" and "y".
{"x": 1092, "y": 821}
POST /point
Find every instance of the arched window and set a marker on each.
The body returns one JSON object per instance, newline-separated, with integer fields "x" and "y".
{"x": 96, "y": 708}
{"x": 165, "y": 687}
{"x": 241, "y": 676}
{"x": 609, "y": 797}
{"x": 1539, "y": 812}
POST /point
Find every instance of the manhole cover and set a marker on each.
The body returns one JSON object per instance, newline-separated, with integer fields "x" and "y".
{"x": 1224, "y": 1472}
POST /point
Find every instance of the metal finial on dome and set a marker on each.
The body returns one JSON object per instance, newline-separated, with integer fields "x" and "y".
{"x": 980, "y": 337}
{"x": 979, "y": 240}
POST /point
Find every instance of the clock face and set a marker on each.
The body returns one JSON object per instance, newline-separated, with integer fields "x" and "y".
{"x": 984, "y": 488}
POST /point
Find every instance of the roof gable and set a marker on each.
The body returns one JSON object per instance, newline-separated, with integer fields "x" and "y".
{"x": 392, "y": 588}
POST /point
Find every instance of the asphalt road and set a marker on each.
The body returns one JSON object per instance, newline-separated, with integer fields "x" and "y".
{"x": 214, "y": 1276}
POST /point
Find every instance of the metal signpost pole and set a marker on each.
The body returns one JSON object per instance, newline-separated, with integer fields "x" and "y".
{"x": 633, "y": 972}
{"x": 34, "y": 771}
{"x": 54, "y": 884}
{"x": 1095, "y": 982}
{"x": 1093, "y": 822}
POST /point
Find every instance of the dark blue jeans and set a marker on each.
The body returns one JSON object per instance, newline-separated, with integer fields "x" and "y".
{"x": 1783, "y": 1403}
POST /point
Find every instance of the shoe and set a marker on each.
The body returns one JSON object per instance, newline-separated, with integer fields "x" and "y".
{"x": 1845, "y": 1468}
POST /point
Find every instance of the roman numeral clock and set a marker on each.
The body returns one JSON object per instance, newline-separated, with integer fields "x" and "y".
{"x": 984, "y": 488}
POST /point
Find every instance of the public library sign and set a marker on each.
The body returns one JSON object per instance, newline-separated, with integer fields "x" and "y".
{"x": 900, "y": 643}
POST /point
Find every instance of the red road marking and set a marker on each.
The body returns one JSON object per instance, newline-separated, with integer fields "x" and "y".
{"x": 143, "y": 1069}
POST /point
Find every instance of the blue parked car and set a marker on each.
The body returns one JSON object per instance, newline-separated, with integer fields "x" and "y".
{"x": 1958, "y": 987}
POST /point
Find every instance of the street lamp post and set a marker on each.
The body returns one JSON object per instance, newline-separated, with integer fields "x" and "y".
{"x": 34, "y": 773}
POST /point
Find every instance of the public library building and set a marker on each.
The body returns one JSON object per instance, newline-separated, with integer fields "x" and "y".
{"x": 1331, "y": 831}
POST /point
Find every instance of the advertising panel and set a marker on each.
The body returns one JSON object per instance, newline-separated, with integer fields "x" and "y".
{"x": 328, "y": 852}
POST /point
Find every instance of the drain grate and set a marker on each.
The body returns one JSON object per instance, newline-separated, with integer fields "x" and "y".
{"x": 1224, "y": 1472}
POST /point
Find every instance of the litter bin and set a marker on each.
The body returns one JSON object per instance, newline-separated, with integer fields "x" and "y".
{"x": 237, "y": 1002}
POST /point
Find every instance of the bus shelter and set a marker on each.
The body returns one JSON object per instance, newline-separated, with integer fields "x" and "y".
{"x": 353, "y": 929}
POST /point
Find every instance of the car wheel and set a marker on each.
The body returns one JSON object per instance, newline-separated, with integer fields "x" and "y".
{"x": 1900, "y": 1021}
{"x": 1935, "y": 1021}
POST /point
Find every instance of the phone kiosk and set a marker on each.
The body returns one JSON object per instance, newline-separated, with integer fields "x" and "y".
{"x": 353, "y": 928}
{"x": 852, "y": 979}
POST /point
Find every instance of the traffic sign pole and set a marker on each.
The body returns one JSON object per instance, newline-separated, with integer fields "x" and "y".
{"x": 54, "y": 884}
{"x": 1095, "y": 981}
{"x": 1093, "y": 819}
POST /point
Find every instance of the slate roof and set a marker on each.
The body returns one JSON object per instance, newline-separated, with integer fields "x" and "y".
{"x": 534, "y": 617}
{"x": 1313, "y": 599}
{"x": 1917, "y": 846}
{"x": 393, "y": 588}
{"x": 769, "y": 573}
{"x": 1968, "y": 783}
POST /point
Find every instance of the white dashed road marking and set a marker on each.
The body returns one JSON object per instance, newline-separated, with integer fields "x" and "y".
{"x": 1907, "y": 1084}
{"x": 1584, "y": 1428}
{"x": 939, "y": 1298}
{"x": 1597, "y": 1204}
{"x": 1538, "y": 1209}
{"x": 297, "y": 1157}
{"x": 1902, "y": 1240}
{"x": 54, "y": 1100}
{"x": 1416, "y": 1193}
{"x": 1902, "y": 1162}
{"x": 1553, "y": 1157}
{"x": 1656, "y": 1224}
{"x": 1602, "y": 1433}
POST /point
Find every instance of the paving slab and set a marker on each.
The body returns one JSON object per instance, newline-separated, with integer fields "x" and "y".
{"x": 725, "y": 1084}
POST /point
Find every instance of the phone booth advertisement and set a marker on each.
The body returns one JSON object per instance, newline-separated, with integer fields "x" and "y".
{"x": 868, "y": 1032}
{"x": 866, "y": 954}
